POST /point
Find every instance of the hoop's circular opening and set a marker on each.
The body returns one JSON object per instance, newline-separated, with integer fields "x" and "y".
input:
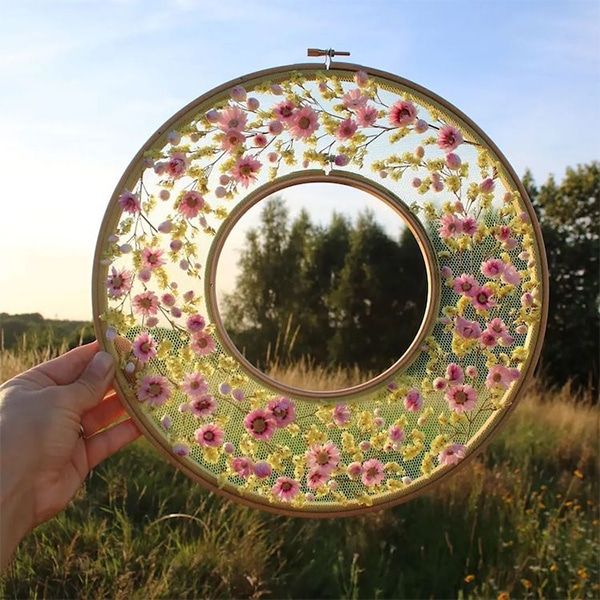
{"x": 321, "y": 285}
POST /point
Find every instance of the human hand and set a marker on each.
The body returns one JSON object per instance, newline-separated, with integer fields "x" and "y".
{"x": 44, "y": 457}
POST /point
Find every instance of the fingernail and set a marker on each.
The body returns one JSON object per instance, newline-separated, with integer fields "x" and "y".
{"x": 101, "y": 364}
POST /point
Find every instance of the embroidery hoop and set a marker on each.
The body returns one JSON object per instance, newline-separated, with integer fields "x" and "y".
{"x": 476, "y": 442}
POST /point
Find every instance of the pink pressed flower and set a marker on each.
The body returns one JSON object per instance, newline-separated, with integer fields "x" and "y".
{"x": 497, "y": 327}
{"x": 471, "y": 372}
{"x": 283, "y": 411}
{"x": 500, "y": 376}
{"x": 195, "y": 323}
{"x": 202, "y": 343}
{"x": 421, "y": 126}
{"x": 372, "y": 472}
{"x": 176, "y": 245}
{"x": 366, "y": 115}
{"x": 165, "y": 227}
{"x": 232, "y": 118}
{"x": 253, "y": 104}
{"x": 354, "y": 470}
{"x": 453, "y": 161}
{"x": 510, "y": 275}
{"x": 446, "y": 272}
{"x": 354, "y": 99}
{"x": 168, "y": 299}
{"x": 361, "y": 78}
{"x": 176, "y": 312}
{"x": 461, "y": 398}
{"x": 194, "y": 385}
{"x": 209, "y": 435}
{"x": 396, "y": 434}
{"x": 315, "y": 478}
{"x": 416, "y": 182}
{"x": 177, "y": 165}
{"x": 450, "y": 226}
{"x": 304, "y": 123}
{"x": 285, "y": 489}
{"x": 346, "y": 129}
{"x": 238, "y": 93}
{"x": 262, "y": 469}
{"x": 129, "y": 202}
{"x": 245, "y": 170}
{"x": 180, "y": 449}
{"x": 487, "y": 185}
{"x": 153, "y": 389}
{"x": 341, "y": 160}
{"x": 502, "y": 233}
{"x": 440, "y": 384}
{"x": 341, "y": 415}
{"x": 260, "y": 140}
{"x": 228, "y": 448}
{"x": 242, "y": 466}
{"x": 449, "y": 138}
{"x": 469, "y": 226}
{"x": 275, "y": 127}
{"x": 402, "y": 113}
{"x": 284, "y": 111}
{"x": 232, "y": 139}
{"x": 454, "y": 374}
{"x": 145, "y": 304}
{"x": 118, "y": 283}
{"x": 145, "y": 275}
{"x": 203, "y": 406}
{"x": 466, "y": 285}
{"x": 492, "y": 268}
{"x": 260, "y": 424}
{"x": 212, "y": 116}
{"x": 324, "y": 457}
{"x": 488, "y": 339}
{"x": 413, "y": 402}
{"x": 452, "y": 454}
{"x": 469, "y": 330}
{"x": 483, "y": 299}
{"x": 144, "y": 347}
{"x": 152, "y": 258}
{"x": 191, "y": 204}
{"x": 166, "y": 422}
{"x": 527, "y": 299}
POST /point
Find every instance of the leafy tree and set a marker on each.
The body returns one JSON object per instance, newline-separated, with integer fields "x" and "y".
{"x": 343, "y": 294}
{"x": 568, "y": 213}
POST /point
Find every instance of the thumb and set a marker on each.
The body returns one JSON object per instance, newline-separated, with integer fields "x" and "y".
{"x": 89, "y": 389}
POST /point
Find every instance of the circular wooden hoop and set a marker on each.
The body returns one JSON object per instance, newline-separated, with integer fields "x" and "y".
{"x": 99, "y": 300}
{"x": 357, "y": 182}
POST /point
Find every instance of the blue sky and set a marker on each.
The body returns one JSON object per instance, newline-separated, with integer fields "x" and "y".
{"x": 84, "y": 83}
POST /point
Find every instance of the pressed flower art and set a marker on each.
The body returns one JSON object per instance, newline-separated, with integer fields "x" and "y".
{"x": 278, "y": 447}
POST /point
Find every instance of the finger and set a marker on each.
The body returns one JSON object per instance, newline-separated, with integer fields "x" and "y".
{"x": 106, "y": 443}
{"x": 89, "y": 389}
{"x": 102, "y": 415}
{"x": 69, "y": 366}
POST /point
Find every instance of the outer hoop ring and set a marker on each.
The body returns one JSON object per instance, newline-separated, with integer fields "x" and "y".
{"x": 484, "y": 435}
{"x": 358, "y": 182}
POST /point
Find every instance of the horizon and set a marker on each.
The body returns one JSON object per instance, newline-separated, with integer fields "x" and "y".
{"x": 87, "y": 82}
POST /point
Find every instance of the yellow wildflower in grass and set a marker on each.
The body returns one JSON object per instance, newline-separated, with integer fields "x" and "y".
{"x": 469, "y": 578}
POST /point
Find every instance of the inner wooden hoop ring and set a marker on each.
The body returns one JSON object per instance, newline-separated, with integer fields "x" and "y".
{"x": 357, "y": 182}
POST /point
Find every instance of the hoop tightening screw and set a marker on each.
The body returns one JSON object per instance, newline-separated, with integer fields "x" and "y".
{"x": 328, "y": 54}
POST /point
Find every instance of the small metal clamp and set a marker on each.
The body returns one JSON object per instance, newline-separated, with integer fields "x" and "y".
{"x": 328, "y": 54}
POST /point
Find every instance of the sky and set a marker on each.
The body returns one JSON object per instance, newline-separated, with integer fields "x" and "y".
{"x": 84, "y": 83}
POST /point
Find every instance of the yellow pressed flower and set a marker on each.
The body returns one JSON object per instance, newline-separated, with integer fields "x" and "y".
{"x": 393, "y": 467}
{"x": 527, "y": 584}
{"x": 211, "y": 455}
{"x": 427, "y": 464}
{"x": 315, "y": 436}
{"x": 439, "y": 443}
{"x": 394, "y": 484}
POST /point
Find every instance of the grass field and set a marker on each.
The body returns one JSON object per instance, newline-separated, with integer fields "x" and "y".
{"x": 521, "y": 521}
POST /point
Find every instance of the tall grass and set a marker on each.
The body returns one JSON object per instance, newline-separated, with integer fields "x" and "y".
{"x": 521, "y": 521}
